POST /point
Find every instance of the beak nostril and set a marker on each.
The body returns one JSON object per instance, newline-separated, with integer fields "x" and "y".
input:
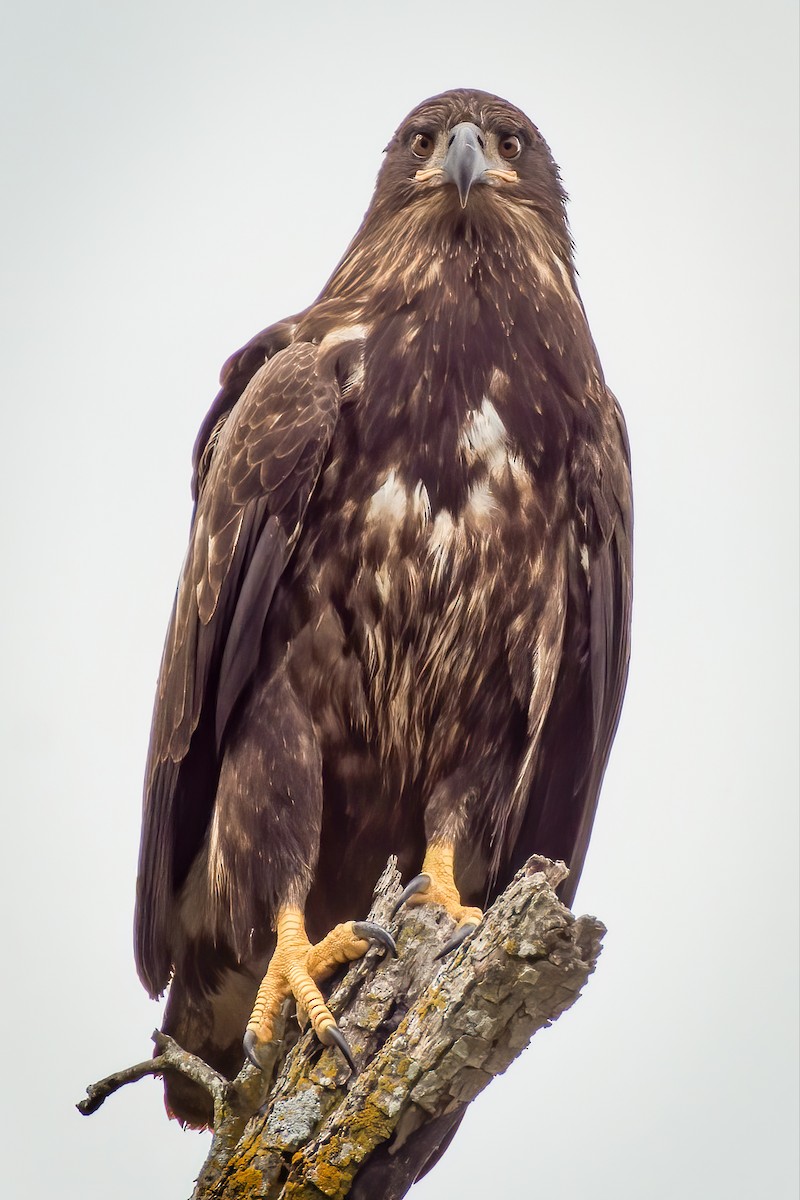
{"x": 450, "y": 140}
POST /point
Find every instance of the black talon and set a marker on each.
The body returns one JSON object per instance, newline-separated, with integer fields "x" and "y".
{"x": 460, "y": 935}
{"x": 420, "y": 883}
{"x": 249, "y": 1043}
{"x": 335, "y": 1037}
{"x": 372, "y": 932}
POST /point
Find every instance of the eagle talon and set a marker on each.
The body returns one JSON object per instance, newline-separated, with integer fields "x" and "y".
{"x": 461, "y": 934}
{"x": 369, "y": 931}
{"x": 333, "y": 1036}
{"x": 250, "y": 1044}
{"x": 297, "y": 968}
{"x": 419, "y": 884}
{"x": 436, "y": 885}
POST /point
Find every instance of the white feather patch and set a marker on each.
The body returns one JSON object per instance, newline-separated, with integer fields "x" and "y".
{"x": 484, "y": 437}
{"x": 481, "y": 501}
{"x": 343, "y": 334}
{"x": 585, "y": 559}
{"x": 390, "y": 502}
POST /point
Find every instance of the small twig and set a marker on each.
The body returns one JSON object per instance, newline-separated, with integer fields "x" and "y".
{"x": 169, "y": 1058}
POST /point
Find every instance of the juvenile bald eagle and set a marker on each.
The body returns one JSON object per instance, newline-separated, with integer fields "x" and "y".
{"x": 402, "y": 625}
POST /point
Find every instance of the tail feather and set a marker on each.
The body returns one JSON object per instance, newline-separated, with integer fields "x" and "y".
{"x": 210, "y": 1026}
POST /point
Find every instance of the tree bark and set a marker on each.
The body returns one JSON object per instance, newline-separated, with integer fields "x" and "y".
{"x": 427, "y": 1037}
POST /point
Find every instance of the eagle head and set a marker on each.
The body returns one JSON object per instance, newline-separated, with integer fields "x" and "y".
{"x": 468, "y": 156}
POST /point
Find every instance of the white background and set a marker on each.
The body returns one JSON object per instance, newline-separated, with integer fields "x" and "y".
{"x": 175, "y": 177}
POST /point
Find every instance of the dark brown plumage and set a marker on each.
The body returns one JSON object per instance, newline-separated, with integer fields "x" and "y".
{"x": 404, "y": 614}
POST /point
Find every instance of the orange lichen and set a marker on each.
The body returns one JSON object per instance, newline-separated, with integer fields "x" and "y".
{"x": 338, "y": 1159}
{"x": 327, "y": 1178}
{"x": 243, "y": 1182}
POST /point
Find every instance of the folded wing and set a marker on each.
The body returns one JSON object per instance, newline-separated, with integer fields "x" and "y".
{"x": 250, "y": 508}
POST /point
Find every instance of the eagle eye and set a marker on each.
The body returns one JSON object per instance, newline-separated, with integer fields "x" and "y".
{"x": 422, "y": 145}
{"x": 509, "y": 145}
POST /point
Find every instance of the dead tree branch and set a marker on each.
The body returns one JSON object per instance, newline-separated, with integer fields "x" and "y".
{"x": 427, "y": 1037}
{"x": 170, "y": 1057}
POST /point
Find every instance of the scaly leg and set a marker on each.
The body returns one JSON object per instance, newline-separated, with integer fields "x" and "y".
{"x": 436, "y": 885}
{"x": 295, "y": 970}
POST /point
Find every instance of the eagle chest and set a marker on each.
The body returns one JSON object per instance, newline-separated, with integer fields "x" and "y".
{"x": 437, "y": 603}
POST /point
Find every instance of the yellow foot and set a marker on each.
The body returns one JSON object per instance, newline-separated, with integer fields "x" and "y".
{"x": 436, "y": 885}
{"x": 295, "y": 970}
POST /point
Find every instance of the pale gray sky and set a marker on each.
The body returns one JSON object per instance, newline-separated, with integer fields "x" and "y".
{"x": 176, "y": 176}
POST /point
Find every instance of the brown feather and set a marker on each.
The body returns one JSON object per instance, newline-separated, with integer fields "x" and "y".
{"x": 405, "y": 609}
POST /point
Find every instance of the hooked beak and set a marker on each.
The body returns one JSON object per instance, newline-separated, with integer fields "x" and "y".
{"x": 465, "y": 161}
